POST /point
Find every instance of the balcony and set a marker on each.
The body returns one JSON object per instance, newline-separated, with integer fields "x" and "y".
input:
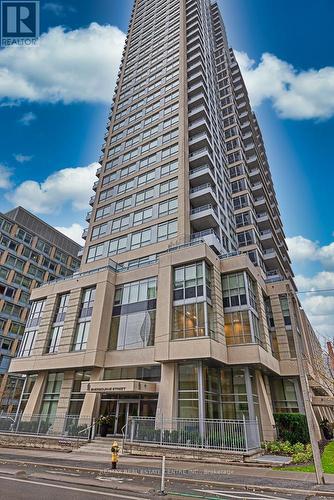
{"x": 101, "y": 158}
{"x": 257, "y": 186}
{"x": 269, "y": 254}
{"x": 266, "y": 236}
{"x": 200, "y": 156}
{"x": 251, "y": 159}
{"x": 260, "y": 200}
{"x": 92, "y": 200}
{"x": 197, "y": 100}
{"x": 198, "y": 140}
{"x": 203, "y": 174}
{"x": 204, "y": 217}
{"x": 88, "y": 216}
{"x": 96, "y": 183}
{"x": 198, "y": 125}
{"x": 98, "y": 172}
{"x": 85, "y": 233}
{"x": 198, "y": 112}
{"x": 211, "y": 238}
{"x": 205, "y": 194}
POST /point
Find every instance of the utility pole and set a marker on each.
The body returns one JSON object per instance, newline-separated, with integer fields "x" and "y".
{"x": 299, "y": 346}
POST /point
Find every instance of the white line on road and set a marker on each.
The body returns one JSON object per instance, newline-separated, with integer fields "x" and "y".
{"x": 249, "y": 495}
{"x": 82, "y": 490}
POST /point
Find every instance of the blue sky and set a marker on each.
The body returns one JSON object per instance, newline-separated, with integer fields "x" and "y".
{"x": 54, "y": 104}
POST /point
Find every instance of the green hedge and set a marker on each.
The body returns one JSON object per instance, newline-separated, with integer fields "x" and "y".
{"x": 292, "y": 427}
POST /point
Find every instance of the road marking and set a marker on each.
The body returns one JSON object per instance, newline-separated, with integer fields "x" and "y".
{"x": 249, "y": 495}
{"x": 82, "y": 490}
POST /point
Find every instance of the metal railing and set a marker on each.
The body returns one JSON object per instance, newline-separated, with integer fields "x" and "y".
{"x": 230, "y": 435}
{"x": 70, "y": 426}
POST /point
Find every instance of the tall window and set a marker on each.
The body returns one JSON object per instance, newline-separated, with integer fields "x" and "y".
{"x": 192, "y": 310}
{"x": 241, "y": 321}
{"x": 83, "y": 325}
{"x": 285, "y": 309}
{"x": 77, "y": 396}
{"x": 31, "y": 330}
{"x": 51, "y": 395}
{"x": 133, "y": 321}
{"x": 58, "y": 323}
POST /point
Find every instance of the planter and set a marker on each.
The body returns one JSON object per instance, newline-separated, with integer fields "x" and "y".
{"x": 104, "y": 430}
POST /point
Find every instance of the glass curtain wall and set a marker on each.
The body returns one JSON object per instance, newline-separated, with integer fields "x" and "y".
{"x": 207, "y": 391}
{"x": 241, "y": 318}
{"x": 192, "y": 308}
{"x": 133, "y": 318}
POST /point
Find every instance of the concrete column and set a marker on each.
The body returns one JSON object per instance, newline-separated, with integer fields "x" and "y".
{"x": 250, "y": 399}
{"x": 35, "y": 398}
{"x": 266, "y": 413}
{"x": 90, "y": 407}
{"x": 65, "y": 393}
{"x": 167, "y": 400}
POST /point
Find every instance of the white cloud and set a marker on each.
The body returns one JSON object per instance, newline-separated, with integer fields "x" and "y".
{"x": 27, "y": 118}
{"x": 67, "y": 66}
{"x": 67, "y": 186}
{"x": 296, "y": 94}
{"x": 74, "y": 232}
{"x": 5, "y": 174}
{"x": 22, "y": 158}
{"x": 302, "y": 250}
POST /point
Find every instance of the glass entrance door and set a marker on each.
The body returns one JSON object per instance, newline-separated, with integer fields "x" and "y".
{"x": 125, "y": 409}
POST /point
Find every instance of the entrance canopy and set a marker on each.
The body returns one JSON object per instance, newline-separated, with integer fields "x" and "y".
{"x": 130, "y": 386}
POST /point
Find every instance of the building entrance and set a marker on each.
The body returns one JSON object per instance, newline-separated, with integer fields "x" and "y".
{"x": 124, "y": 410}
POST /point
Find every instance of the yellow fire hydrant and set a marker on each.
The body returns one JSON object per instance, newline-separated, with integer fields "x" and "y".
{"x": 114, "y": 454}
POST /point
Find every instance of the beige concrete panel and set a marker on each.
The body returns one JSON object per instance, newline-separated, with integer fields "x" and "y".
{"x": 167, "y": 401}
{"x": 266, "y": 413}
{"x": 36, "y": 395}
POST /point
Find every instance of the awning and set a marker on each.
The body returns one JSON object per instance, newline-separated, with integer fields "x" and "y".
{"x": 130, "y": 386}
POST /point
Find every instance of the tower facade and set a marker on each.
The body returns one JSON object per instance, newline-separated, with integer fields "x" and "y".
{"x": 185, "y": 282}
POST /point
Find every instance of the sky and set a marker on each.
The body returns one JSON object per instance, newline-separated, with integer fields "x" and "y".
{"x": 55, "y": 98}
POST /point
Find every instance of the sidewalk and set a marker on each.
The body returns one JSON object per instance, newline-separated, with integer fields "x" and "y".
{"x": 195, "y": 471}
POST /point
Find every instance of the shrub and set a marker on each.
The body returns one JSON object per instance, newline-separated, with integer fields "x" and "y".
{"x": 299, "y": 447}
{"x": 301, "y": 458}
{"x": 292, "y": 427}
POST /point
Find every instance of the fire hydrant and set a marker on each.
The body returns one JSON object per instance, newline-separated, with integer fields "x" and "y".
{"x": 114, "y": 454}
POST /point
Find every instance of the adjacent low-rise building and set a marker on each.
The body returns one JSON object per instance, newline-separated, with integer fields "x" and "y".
{"x": 31, "y": 252}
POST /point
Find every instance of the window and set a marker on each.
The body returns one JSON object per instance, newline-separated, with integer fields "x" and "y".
{"x": 21, "y": 280}
{"x": 188, "y": 321}
{"x": 43, "y": 247}
{"x": 167, "y": 230}
{"x": 237, "y": 328}
{"x": 145, "y": 178}
{"x": 81, "y": 336}
{"x": 120, "y": 224}
{"x": 30, "y": 254}
{"x": 168, "y": 207}
{"x": 51, "y": 395}
{"x": 77, "y": 396}
{"x": 168, "y": 168}
{"x": 15, "y": 262}
{"x": 35, "y": 314}
{"x": 95, "y": 252}
{"x": 24, "y": 236}
{"x": 285, "y": 309}
{"x": 36, "y": 272}
{"x": 54, "y": 339}
{"x": 12, "y": 309}
{"x": 142, "y": 216}
{"x": 27, "y": 343}
{"x": 62, "y": 304}
{"x": 234, "y": 290}
{"x": 140, "y": 239}
{"x": 189, "y": 281}
{"x": 169, "y": 151}
{"x": 87, "y": 302}
{"x": 133, "y": 320}
{"x": 99, "y": 231}
{"x": 118, "y": 246}
{"x": 168, "y": 187}
{"x": 144, "y": 196}
{"x": 102, "y": 212}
